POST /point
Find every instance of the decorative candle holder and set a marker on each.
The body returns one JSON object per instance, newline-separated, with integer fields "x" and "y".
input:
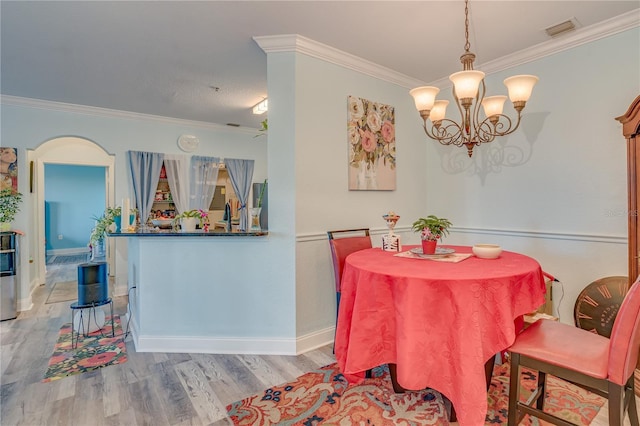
{"x": 391, "y": 241}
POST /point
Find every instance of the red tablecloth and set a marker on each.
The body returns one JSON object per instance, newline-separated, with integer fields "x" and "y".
{"x": 439, "y": 322}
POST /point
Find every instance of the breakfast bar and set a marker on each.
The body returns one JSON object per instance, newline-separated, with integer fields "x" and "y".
{"x": 194, "y": 292}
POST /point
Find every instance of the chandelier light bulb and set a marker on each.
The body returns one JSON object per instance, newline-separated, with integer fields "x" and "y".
{"x": 466, "y": 83}
{"x": 520, "y": 87}
{"x": 439, "y": 110}
{"x": 424, "y": 97}
{"x": 493, "y": 105}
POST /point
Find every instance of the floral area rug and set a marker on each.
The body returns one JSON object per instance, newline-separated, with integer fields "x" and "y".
{"x": 323, "y": 396}
{"x": 92, "y": 352}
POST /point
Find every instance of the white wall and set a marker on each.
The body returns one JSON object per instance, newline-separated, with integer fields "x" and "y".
{"x": 27, "y": 124}
{"x": 564, "y": 201}
{"x": 323, "y": 200}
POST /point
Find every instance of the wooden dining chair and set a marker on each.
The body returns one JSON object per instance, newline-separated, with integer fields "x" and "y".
{"x": 601, "y": 365}
{"x": 343, "y": 243}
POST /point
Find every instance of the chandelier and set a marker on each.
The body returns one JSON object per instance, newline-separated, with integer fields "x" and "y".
{"x": 468, "y": 85}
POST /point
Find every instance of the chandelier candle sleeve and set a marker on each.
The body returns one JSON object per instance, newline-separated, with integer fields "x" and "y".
{"x": 469, "y": 90}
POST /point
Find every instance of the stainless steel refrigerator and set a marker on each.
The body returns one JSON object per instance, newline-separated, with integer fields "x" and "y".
{"x": 9, "y": 270}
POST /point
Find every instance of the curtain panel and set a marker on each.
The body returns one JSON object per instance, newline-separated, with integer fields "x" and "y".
{"x": 177, "y": 167}
{"x": 144, "y": 170}
{"x": 241, "y": 173}
{"x": 204, "y": 177}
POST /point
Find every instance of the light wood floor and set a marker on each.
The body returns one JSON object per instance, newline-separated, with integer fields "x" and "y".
{"x": 150, "y": 389}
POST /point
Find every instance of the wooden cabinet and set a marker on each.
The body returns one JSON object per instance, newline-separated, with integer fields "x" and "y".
{"x": 631, "y": 131}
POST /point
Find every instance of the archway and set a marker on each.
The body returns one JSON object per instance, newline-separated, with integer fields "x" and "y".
{"x": 68, "y": 150}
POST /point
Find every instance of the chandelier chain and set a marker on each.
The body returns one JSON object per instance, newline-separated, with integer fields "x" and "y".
{"x": 467, "y": 45}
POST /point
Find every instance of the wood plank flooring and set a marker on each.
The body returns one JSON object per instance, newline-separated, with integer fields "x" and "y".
{"x": 150, "y": 389}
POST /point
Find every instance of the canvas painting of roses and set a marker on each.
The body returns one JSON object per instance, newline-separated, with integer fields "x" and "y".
{"x": 372, "y": 145}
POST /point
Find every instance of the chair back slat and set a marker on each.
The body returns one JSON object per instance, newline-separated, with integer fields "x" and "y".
{"x": 625, "y": 337}
{"x": 343, "y": 247}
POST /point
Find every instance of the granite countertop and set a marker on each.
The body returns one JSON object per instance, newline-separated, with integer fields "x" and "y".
{"x": 198, "y": 233}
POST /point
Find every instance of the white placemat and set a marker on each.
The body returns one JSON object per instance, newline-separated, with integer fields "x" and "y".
{"x": 452, "y": 258}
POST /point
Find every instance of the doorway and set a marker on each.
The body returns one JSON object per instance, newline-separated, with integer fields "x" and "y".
{"x": 65, "y": 151}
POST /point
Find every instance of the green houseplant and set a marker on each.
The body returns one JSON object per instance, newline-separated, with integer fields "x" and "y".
{"x": 198, "y": 214}
{"x": 116, "y": 213}
{"x": 9, "y": 206}
{"x": 259, "y": 202}
{"x": 431, "y": 229}
{"x": 264, "y": 126}
{"x": 99, "y": 231}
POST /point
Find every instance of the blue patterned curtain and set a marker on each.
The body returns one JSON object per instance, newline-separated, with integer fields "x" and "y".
{"x": 145, "y": 173}
{"x": 241, "y": 173}
{"x": 204, "y": 177}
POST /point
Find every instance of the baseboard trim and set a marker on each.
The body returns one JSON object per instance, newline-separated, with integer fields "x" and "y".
{"x": 26, "y": 303}
{"x": 230, "y": 345}
{"x": 68, "y": 251}
{"x": 315, "y": 340}
{"x": 214, "y": 345}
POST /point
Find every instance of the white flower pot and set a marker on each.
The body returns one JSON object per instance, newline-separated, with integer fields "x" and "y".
{"x": 188, "y": 224}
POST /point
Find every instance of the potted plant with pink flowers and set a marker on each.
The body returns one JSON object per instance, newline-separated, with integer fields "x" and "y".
{"x": 188, "y": 219}
{"x": 432, "y": 229}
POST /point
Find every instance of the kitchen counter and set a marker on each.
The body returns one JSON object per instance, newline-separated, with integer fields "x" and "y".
{"x": 189, "y": 293}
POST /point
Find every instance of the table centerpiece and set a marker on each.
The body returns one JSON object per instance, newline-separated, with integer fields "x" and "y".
{"x": 431, "y": 229}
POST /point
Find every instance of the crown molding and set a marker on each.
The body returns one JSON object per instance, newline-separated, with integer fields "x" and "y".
{"x": 300, "y": 44}
{"x": 581, "y": 36}
{"x": 112, "y": 113}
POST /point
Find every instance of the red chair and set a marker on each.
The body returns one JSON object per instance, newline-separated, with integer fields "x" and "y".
{"x": 601, "y": 365}
{"x": 343, "y": 243}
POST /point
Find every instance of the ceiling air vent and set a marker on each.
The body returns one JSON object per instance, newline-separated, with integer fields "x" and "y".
{"x": 561, "y": 28}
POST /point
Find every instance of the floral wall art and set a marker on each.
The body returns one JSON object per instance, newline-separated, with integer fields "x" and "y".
{"x": 9, "y": 168}
{"x": 372, "y": 145}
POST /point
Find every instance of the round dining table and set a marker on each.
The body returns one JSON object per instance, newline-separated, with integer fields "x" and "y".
{"x": 436, "y": 320}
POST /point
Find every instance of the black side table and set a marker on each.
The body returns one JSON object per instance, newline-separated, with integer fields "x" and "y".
{"x": 85, "y": 331}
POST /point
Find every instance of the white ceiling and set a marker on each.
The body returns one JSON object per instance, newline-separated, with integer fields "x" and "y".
{"x": 164, "y": 57}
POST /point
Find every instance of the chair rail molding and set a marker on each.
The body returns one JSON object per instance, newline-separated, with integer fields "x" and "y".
{"x": 592, "y": 238}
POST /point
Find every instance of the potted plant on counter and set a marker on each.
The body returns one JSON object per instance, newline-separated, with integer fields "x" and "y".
{"x": 99, "y": 232}
{"x": 116, "y": 213}
{"x": 9, "y": 206}
{"x": 189, "y": 219}
{"x": 432, "y": 229}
